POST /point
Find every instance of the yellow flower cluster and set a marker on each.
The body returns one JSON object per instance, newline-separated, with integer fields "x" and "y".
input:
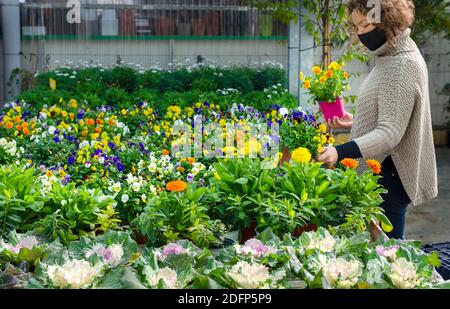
{"x": 301, "y": 155}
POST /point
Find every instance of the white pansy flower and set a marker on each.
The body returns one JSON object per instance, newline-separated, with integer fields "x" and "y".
{"x": 73, "y": 274}
{"x": 116, "y": 187}
{"x": 283, "y": 111}
{"x": 403, "y": 274}
{"x": 51, "y": 130}
{"x": 136, "y": 186}
{"x": 125, "y": 198}
{"x": 249, "y": 276}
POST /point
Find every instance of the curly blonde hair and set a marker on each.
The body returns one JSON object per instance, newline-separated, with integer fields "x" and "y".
{"x": 396, "y": 15}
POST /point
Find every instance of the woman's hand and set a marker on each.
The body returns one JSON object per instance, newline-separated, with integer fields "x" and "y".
{"x": 329, "y": 155}
{"x": 345, "y": 122}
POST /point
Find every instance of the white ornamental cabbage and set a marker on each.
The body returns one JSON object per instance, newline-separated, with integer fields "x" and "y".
{"x": 111, "y": 254}
{"x": 27, "y": 242}
{"x": 167, "y": 275}
{"x": 326, "y": 244}
{"x": 403, "y": 274}
{"x": 342, "y": 274}
{"x": 73, "y": 274}
{"x": 250, "y": 276}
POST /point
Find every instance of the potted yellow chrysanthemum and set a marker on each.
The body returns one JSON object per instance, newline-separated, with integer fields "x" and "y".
{"x": 326, "y": 87}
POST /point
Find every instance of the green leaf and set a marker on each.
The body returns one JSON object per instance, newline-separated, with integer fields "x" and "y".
{"x": 241, "y": 181}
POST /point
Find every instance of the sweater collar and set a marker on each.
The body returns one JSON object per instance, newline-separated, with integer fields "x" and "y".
{"x": 402, "y": 42}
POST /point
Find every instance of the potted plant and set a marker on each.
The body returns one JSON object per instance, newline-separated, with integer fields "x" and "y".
{"x": 326, "y": 88}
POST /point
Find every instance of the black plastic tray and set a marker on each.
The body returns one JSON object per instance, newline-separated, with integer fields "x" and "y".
{"x": 443, "y": 249}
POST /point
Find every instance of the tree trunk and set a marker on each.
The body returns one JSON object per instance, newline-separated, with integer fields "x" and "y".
{"x": 326, "y": 35}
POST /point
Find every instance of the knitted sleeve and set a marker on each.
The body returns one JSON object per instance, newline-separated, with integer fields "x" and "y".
{"x": 396, "y": 100}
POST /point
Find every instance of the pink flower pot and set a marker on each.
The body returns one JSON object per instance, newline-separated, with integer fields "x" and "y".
{"x": 331, "y": 109}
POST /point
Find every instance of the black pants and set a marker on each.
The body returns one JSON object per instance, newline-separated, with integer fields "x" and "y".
{"x": 396, "y": 200}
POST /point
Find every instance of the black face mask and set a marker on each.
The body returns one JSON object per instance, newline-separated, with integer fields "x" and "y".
{"x": 373, "y": 39}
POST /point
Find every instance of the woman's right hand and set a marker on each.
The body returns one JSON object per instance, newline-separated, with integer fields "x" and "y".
{"x": 345, "y": 122}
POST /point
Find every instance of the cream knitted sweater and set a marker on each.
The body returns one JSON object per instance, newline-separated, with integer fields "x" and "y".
{"x": 393, "y": 117}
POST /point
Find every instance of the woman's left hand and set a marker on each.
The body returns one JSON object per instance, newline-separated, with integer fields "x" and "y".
{"x": 329, "y": 155}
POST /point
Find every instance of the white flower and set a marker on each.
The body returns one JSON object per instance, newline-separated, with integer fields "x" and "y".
{"x": 403, "y": 274}
{"x": 136, "y": 186}
{"x": 153, "y": 189}
{"x": 73, "y": 274}
{"x": 101, "y": 160}
{"x": 167, "y": 275}
{"x": 283, "y": 111}
{"x": 342, "y": 274}
{"x": 144, "y": 197}
{"x": 125, "y": 198}
{"x": 116, "y": 187}
{"x": 249, "y": 276}
{"x": 51, "y": 130}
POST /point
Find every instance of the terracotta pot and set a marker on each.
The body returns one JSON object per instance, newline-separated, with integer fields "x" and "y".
{"x": 140, "y": 239}
{"x": 248, "y": 232}
{"x": 286, "y": 157}
{"x": 306, "y": 228}
{"x": 375, "y": 231}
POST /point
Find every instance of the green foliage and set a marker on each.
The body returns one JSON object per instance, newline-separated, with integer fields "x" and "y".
{"x": 242, "y": 184}
{"x": 71, "y": 212}
{"x": 432, "y": 17}
{"x": 172, "y": 216}
{"x": 121, "y": 77}
{"x": 20, "y": 197}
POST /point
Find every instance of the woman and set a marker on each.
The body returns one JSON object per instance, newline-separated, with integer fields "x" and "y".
{"x": 392, "y": 122}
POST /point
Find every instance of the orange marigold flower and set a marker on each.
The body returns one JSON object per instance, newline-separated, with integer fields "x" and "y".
{"x": 84, "y": 132}
{"x": 9, "y": 125}
{"x": 98, "y": 130}
{"x": 165, "y": 152}
{"x": 329, "y": 73}
{"x": 18, "y": 127}
{"x": 191, "y": 161}
{"x": 16, "y": 119}
{"x": 26, "y": 131}
{"x": 351, "y": 163}
{"x": 176, "y": 186}
{"x": 99, "y": 121}
{"x": 180, "y": 168}
{"x": 374, "y": 165}
{"x": 90, "y": 122}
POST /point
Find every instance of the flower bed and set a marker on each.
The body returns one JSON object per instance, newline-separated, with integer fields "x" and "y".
{"x": 79, "y": 185}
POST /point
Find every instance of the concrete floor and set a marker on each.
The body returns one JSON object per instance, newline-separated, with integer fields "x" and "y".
{"x": 430, "y": 221}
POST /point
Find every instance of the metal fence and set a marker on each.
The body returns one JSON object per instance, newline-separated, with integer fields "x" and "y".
{"x": 149, "y": 32}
